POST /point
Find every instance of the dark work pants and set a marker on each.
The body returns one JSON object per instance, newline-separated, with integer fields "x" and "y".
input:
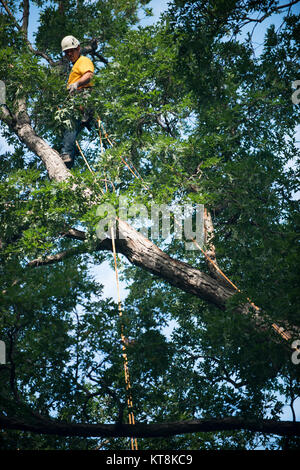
{"x": 70, "y": 137}
{"x": 71, "y": 134}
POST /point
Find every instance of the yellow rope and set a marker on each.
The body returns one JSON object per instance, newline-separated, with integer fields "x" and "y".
{"x": 134, "y": 445}
{"x": 122, "y": 159}
{"x": 131, "y": 420}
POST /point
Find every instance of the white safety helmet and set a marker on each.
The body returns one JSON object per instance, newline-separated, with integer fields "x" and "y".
{"x": 69, "y": 42}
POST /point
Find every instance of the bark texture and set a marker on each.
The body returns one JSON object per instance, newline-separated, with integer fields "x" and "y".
{"x": 140, "y": 251}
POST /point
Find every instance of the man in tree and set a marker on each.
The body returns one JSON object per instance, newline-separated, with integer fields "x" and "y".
{"x": 79, "y": 82}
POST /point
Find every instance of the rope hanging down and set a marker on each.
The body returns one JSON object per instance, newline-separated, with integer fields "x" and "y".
{"x": 131, "y": 420}
{"x": 126, "y": 370}
{"x": 285, "y": 335}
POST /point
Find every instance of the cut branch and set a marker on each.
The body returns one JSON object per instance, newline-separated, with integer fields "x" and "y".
{"x": 210, "y": 249}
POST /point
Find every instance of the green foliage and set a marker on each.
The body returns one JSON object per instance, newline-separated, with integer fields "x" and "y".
{"x": 202, "y": 120}
{"x": 109, "y": 20}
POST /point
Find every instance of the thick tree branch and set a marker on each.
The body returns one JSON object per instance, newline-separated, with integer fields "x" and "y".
{"x": 25, "y": 19}
{"x": 143, "y": 253}
{"x": 51, "y": 259}
{"x": 44, "y": 426}
{"x": 20, "y": 124}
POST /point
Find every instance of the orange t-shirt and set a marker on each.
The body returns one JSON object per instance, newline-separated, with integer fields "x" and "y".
{"x": 82, "y": 65}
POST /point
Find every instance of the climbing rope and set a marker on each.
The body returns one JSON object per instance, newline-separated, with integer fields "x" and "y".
{"x": 135, "y": 172}
{"x": 131, "y": 420}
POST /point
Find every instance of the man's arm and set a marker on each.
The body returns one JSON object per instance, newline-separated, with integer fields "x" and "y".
{"x": 84, "y": 80}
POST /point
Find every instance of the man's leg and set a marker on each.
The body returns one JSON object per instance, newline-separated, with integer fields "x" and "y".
{"x": 88, "y": 120}
{"x": 69, "y": 148}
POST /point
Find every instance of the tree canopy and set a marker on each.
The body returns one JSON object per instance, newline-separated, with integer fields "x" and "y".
{"x": 201, "y": 117}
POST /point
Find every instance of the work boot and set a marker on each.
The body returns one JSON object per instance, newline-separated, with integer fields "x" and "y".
{"x": 67, "y": 159}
